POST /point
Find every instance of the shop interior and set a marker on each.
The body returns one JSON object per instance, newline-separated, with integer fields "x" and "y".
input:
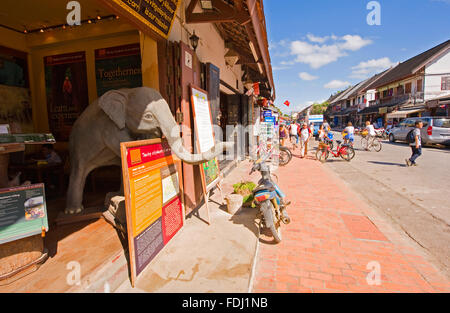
{"x": 49, "y": 73}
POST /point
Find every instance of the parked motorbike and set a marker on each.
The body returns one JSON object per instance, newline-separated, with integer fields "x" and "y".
{"x": 270, "y": 200}
{"x": 381, "y": 132}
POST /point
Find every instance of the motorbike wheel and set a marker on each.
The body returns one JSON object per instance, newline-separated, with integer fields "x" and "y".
{"x": 322, "y": 155}
{"x": 347, "y": 153}
{"x": 271, "y": 220}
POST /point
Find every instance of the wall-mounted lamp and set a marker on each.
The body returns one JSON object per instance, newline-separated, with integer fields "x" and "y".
{"x": 194, "y": 41}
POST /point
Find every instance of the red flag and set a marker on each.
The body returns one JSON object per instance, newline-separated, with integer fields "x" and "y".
{"x": 287, "y": 103}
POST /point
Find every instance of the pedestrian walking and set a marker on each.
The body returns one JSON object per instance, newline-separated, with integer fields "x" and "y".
{"x": 305, "y": 135}
{"x": 283, "y": 134}
{"x": 294, "y": 133}
{"x": 415, "y": 142}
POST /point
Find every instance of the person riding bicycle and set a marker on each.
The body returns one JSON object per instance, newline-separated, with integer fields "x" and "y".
{"x": 348, "y": 133}
{"x": 371, "y": 132}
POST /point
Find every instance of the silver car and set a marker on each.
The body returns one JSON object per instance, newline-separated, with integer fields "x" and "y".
{"x": 436, "y": 130}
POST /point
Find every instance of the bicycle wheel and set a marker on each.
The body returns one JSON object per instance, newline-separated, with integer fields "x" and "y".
{"x": 365, "y": 143}
{"x": 284, "y": 157}
{"x": 347, "y": 153}
{"x": 322, "y": 154}
{"x": 376, "y": 145}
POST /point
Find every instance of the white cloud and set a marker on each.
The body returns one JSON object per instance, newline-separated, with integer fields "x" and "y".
{"x": 335, "y": 84}
{"x": 318, "y": 55}
{"x": 317, "y": 39}
{"x": 370, "y": 67}
{"x": 307, "y": 76}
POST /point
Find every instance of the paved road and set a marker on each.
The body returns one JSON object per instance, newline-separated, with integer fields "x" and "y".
{"x": 417, "y": 199}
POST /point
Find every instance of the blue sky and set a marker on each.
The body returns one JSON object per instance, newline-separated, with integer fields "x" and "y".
{"x": 319, "y": 47}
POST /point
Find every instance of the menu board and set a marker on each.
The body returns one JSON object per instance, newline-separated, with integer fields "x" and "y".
{"x": 204, "y": 130}
{"x": 118, "y": 67}
{"x": 23, "y": 212}
{"x": 153, "y": 199}
{"x": 156, "y": 14}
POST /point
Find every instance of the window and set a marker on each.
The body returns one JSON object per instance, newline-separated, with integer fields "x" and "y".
{"x": 408, "y": 88}
{"x": 441, "y": 122}
{"x": 445, "y": 83}
{"x": 419, "y": 85}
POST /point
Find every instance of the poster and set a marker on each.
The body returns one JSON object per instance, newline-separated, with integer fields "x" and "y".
{"x": 205, "y": 134}
{"x": 23, "y": 212}
{"x": 66, "y": 91}
{"x": 153, "y": 199}
{"x": 15, "y": 109}
{"x": 118, "y": 67}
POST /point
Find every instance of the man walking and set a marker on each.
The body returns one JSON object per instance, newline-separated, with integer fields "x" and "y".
{"x": 305, "y": 135}
{"x": 416, "y": 144}
{"x": 294, "y": 134}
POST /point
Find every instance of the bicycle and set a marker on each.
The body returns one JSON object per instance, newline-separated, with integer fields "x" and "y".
{"x": 344, "y": 151}
{"x": 368, "y": 143}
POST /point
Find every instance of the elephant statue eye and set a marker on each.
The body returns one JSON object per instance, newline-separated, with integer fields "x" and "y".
{"x": 148, "y": 116}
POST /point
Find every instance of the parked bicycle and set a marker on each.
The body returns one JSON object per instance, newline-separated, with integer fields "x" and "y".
{"x": 284, "y": 156}
{"x": 344, "y": 151}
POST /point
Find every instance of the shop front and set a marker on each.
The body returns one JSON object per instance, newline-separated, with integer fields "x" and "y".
{"x": 55, "y": 72}
{"x": 50, "y": 72}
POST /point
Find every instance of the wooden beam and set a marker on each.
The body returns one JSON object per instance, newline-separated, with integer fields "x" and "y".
{"x": 222, "y": 13}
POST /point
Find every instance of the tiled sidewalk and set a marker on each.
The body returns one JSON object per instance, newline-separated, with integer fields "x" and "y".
{"x": 332, "y": 240}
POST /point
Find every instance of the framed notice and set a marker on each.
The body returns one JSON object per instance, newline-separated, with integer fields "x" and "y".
{"x": 205, "y": 133}
{"x": 118, "y": 67}
{"x": 66, "y": 91}
{"x": 23, "y": 212}
{"x": 153, "y": 198}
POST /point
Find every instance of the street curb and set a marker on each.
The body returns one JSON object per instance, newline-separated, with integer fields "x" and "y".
{"x": 255, "y": 260}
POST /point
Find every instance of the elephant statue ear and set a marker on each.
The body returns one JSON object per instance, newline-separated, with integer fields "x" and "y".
{"x": 113, "y": 103}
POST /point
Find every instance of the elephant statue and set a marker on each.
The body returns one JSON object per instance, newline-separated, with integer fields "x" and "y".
{"x": 121, "y": 116}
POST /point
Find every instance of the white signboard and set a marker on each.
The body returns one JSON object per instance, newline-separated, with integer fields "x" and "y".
{"x": 203, "y": 122}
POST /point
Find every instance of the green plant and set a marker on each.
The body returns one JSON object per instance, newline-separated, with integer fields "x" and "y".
{"x": 246, "y": 190}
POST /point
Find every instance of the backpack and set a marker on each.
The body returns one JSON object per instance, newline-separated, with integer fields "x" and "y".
{"x": 410, "y": 138}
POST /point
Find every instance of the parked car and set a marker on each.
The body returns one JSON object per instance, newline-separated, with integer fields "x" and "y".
{"x": 436, "y": 130}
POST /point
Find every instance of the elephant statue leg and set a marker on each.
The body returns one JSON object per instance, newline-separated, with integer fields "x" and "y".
{"x": 75, "y": 192}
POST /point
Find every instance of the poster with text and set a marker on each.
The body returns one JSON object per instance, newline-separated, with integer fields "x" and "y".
{"x": 23, "y": 212}
{"x": 118, "y": 67}
{"x": 153, "y": 199}
{"x": 66, "y": 91}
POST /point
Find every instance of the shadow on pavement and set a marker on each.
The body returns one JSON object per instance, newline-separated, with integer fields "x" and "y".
{"x": 387, "y": 163}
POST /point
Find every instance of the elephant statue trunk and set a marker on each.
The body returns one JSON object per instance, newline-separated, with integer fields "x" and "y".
{"x": 122, "y": 116}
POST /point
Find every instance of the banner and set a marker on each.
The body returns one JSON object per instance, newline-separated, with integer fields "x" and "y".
{"x": 66, "y": 90}
{"x": 23, "y": 212}
{"x": 153, "y": 199}
{"x": 118, "y": 67}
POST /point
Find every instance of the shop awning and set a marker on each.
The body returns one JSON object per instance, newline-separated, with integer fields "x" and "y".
{"x": 404, "y": 113}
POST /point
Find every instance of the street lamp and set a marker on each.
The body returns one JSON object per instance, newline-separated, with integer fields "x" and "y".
{"x": 194, "y": 41}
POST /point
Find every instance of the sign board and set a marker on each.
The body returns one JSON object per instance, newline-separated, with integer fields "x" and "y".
{"x": 382, "y": 110}
{"x": 205, "y": 133}
{"x": 158, "y": 15}
{"x": 153, "y": 198}
{"x": 23, "y": 212}
{"x": 315, "y": 118}
{"x": 118, "y": 67}
{"x": 270, "y": 119}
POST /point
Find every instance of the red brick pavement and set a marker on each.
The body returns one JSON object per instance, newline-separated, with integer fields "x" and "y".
{"x": 325, "y": 247}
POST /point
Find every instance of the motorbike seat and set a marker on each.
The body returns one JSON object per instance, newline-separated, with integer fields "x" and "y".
{"x": 339, "y": 142}
{"x": 264, "y": 188}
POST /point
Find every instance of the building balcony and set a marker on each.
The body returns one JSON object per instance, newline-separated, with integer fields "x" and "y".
{"x": 418, "y": 97}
